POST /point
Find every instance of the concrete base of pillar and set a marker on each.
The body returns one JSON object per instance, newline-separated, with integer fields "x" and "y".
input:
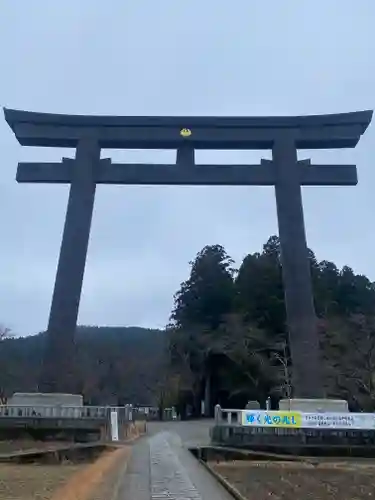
{"x": 252, "y": 405}
{"x": 314, "y": 405}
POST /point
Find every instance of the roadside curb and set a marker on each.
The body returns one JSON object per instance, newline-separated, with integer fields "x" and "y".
{"x": 226, "y": 485}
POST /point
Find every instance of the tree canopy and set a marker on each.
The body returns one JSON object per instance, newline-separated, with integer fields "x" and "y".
{"x": 232, "y": 325}
{"x": 208, "y": 294}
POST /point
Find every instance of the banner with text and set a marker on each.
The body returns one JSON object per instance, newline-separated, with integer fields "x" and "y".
{"x": 261, "y": 418}
{"x": 293, "y": 419}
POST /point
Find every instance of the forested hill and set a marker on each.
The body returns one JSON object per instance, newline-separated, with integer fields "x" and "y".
{"x": 115, "y": 365}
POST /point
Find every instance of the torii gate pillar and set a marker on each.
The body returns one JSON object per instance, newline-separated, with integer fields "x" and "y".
{"x": 69, "y": 276}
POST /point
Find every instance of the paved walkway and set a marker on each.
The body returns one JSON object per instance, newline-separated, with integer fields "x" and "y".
{"x": 162, "y": 468}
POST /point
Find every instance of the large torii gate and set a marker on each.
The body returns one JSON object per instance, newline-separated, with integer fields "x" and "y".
{"x": 283, "y": 135}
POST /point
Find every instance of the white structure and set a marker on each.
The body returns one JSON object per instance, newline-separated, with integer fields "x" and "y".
{"x": 314, "y": 405}
{"x": 45, "y": 399}
{"x": 114, "y": 426}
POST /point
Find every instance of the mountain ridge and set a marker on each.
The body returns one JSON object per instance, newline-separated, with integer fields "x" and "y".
{"x": 115, "y": 365}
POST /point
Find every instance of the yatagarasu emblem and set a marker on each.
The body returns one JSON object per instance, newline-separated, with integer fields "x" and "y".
{"x": 185, "y": 132}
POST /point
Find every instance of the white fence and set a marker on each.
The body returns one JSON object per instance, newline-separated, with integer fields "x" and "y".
{"x": 294, "y": 419}
{"x": 110, "y": 419}
{"x": 125, "y": 413}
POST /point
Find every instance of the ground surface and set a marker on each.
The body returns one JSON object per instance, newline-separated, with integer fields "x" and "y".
{"x": 31, "y": 482}
{"x": 293, "y": 481}
{"x": 259, "y": 481}
{"x": 191, "y": 432}
{"x": 162, "y": 468}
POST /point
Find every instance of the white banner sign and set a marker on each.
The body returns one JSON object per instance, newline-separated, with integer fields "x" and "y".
{"x": 339, "y": 420}
{"x": 301, "y": 420}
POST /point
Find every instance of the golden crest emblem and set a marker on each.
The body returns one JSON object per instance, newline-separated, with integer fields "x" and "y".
{"x": 185, "y": 132}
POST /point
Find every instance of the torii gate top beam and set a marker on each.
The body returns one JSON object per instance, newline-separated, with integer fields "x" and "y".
{"x": 164, "y": 132}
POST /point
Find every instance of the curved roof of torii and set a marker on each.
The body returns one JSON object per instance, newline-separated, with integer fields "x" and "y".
{"x": 207, "y": 132}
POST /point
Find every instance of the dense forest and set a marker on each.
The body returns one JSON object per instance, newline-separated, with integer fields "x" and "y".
{"x": 226, "y": 338}
{"x": 228, "y": 334}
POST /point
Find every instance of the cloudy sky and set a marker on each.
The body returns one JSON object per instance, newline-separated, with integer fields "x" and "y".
{"x": 168, "y": 57}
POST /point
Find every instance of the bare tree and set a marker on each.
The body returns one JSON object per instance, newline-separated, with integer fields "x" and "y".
{"x": 349, "y": 347}
{"x": 4, "y": 332}
{"x": 361, "y": 358}
{"x": 283, "y": 360}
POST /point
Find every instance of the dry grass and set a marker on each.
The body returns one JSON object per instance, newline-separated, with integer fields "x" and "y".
{"x": 83, "y": 484}
{"x": 134, "y": 430}
{"x": 107, "y": 489}
{"x": 61, "y": 482}
{"x": 293, "y": 480}
{"x": 33, "y": 482}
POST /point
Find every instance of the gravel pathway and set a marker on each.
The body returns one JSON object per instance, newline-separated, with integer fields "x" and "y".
{"x": 162, "y": 468}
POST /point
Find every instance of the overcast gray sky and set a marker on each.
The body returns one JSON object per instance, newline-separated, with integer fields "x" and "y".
{"x": 168, "y": 57}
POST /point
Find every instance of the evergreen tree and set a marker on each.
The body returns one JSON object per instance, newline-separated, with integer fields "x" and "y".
{"x": 208, "y": 295}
